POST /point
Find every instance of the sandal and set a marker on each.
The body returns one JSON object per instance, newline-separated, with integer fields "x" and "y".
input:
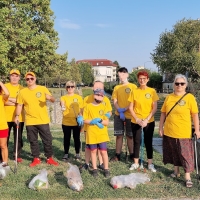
{"x": 174, "y": 175}
{"x": 188, "y": 183}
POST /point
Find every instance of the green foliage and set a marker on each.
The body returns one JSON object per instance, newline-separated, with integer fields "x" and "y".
{"x": 117, "y": 68}
{"x": 178, "y": 50}
{"x": 87, "y": 75}
{"x": 28, "y": 40}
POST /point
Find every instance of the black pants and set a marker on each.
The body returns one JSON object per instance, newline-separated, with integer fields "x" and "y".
{"x": 20, "y": 141}
{"x": 67, "y": 136}
{"x": 148, "y": 138}
{"x": 45, "y": 135}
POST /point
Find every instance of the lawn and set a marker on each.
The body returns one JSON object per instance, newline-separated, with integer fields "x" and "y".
{"x": 15, "y": 186}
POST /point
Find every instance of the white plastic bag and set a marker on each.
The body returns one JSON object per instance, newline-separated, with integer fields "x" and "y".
{"x": 74, "y": 179}
{"x": 4, "y": 171}
{"x": 40, "y": 181}
{"x": 130, "y": 180}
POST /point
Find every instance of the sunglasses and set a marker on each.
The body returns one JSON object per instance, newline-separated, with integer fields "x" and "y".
{"x": 177, "y": 84}
{"x": 27, "y": 79}
{"x": 70, "y": 86}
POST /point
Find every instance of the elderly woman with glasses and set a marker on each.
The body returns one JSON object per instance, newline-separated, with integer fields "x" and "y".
{"x": 71, "y": 105}
{"x": 176, "y": 112}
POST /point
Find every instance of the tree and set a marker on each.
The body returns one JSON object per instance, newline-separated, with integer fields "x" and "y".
{"x": 178, "y": 50}
{"x": 74, "y": 71}
{"x": 117, "y": 68}
{"x": 28, "y": 40}
{"x": 86, "y": 72}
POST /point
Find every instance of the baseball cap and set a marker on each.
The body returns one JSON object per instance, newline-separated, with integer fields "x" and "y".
{"x": 99, "y": 92}
{"x": 29, "y": 73}
{"x": 15, "y": 71}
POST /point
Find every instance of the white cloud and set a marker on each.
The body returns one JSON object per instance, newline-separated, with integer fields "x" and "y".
{"x": 66, "y": 23}
{"x": 102, "y": 25}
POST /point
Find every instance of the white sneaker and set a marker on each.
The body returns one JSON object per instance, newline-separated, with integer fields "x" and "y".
{"x": 134, "y": 166}
{"x": 65, "y": 157}
{"x": 151, "y": 167}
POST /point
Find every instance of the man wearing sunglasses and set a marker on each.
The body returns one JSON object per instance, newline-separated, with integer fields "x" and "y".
{"x": 33, "y": 98}
{"x": 10, "y": 105}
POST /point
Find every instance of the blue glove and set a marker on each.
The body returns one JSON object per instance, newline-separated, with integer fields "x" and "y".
{"x": 80, "y": 120}
{"x": 95, "y": 121}
{"x": 100, "y": 125}
{"x": 108, "y": 115}
{"x": 121, "y": 116}
{"x": 121, "y": 110}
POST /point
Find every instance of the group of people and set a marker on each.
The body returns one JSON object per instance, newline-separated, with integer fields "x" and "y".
{"x": 134, "y": 113}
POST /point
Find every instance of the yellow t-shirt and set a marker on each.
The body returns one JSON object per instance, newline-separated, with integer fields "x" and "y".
{"x": 90, "y": 99}
{"x": 73, "y": 105}
{"x": 3, "y": 121}
{"x": 122, "y": 93}
{"x": 178, "y": 122}
{"x": 142, "y": 102}
{"x": 35, "y": 107}
{"x": 95, "y": 135}
{"x": 10, "y": 110}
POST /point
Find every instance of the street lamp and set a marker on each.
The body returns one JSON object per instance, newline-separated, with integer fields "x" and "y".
{"x": 146, "y": 62}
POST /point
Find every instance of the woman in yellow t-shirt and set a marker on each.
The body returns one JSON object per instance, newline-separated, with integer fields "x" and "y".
{"x": 143, "y": 105}
{"x": 177, "y": 142}
{"x": 4, "y": 94}
{"x": 71, "y": 105}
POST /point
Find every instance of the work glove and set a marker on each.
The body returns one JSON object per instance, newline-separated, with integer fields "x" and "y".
{"x": 108, "y": 115}
{"x": 100, "y": 125}
{"x": 121, "y": 116}
{"x": 80, "y": 120}
{"x": 95, "y": 121}
{"x": 121, "y": 110}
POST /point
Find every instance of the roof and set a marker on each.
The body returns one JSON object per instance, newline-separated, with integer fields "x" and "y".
{"x": 98, "y": 62}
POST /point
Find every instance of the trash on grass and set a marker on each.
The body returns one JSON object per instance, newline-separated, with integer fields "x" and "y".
{"x": 130, "y": 180}
{"x": 4, "y": 171}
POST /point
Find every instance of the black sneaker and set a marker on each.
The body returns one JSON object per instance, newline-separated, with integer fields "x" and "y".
{"x": 65, "y": 158}
{"x": 101, "y": 166}
{"x": 115, "y": 159}
{"x": 77, "y": 157}
{"x": 106, "y": 173}
{"x": 84, "y": 167}
{"x": 95, "y": 172}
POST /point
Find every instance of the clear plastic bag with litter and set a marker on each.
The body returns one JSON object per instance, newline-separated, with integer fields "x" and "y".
{"x": 130, "y": 180}
{"x": 74, "y": 179}
{"x": 4, "y": 171}
{"x": 40, "y": 181}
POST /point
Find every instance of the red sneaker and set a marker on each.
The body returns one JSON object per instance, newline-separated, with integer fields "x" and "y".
{"x": 50, "y": 161}
{"x": 36, "y": 161}
{"x": 19, "y": 160}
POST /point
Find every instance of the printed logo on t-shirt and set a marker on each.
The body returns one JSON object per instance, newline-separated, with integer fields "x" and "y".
{"x": 38, "y": 94}
{"x": 182, "y": 103}
{"x": 148, "y": 96}
{"x": 101, "y": 112}
{"x": 75, "y": 100}
{"x": 127, "y": 90}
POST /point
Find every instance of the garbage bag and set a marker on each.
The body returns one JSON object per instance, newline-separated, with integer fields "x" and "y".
{"x": 74, "y": 179}
{"x": 4, "y": 171}
{"x": 130, "y": 180}
{"x": 40, "y": 181}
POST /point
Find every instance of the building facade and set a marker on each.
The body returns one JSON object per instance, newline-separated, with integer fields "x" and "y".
{"x": 104, "y": 70}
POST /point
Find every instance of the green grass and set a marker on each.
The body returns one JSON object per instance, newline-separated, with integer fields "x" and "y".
{"x": 86, "y": 91}
{"x": 15, "y": 186}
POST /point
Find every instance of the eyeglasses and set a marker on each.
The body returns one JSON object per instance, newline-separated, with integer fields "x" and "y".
{"x": 177, "y": 84}
{"x": 70, "y": 86}
{"x": 27, "y": 79}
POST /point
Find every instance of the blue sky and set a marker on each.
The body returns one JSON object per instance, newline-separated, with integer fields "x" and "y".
{"x": 123, "y": 30}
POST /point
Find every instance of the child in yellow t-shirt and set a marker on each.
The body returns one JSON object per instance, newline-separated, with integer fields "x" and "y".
{"x": 97, "y": 133}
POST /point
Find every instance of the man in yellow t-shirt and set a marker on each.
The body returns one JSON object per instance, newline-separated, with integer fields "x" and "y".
{"x": 122, "y": 116}
{"x": 33, "y": 98}
{"x": 88, "y": 100}
{"x": 95, "y": 118}
{"x": 10, "y": 105}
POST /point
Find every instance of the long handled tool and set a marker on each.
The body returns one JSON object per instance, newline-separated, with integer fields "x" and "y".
{"x": 142, "y": 151}
{"x": 196, "y": 156}
{"x": 126, "y": 146}
{"x": 16, "y": 147}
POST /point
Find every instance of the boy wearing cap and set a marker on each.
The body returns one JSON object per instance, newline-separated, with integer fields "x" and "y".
{"x": 10, "y": 106}
{"x": 122, "y": 118}
{"x": 33, "y": 98}
{"x": 95, "y": 118}
{"x": 87, "y": 100}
